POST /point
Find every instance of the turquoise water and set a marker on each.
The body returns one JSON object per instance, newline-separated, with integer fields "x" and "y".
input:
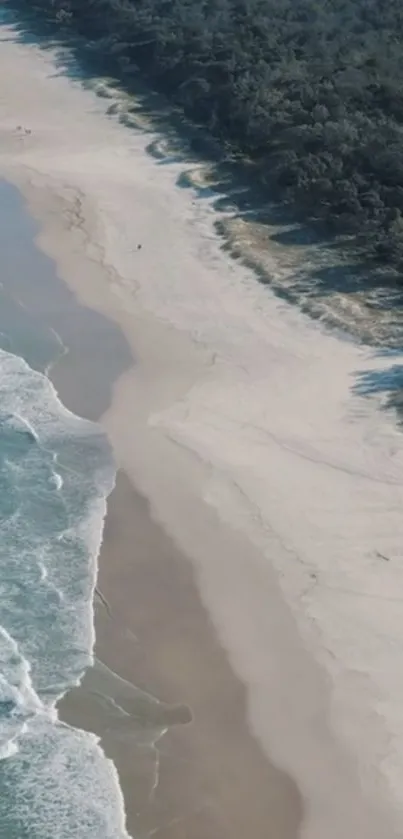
{"x": 56, "y": 470}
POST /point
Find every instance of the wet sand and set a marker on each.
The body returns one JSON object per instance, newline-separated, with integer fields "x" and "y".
{"x": 188, "y": 763}
{"x": 207, "y": 778}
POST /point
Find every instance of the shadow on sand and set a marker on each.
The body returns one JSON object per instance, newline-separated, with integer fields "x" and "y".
{"x": 318, "y": 270}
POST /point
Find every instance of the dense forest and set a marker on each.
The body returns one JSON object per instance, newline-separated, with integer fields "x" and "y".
{"x": 310, "y": 91}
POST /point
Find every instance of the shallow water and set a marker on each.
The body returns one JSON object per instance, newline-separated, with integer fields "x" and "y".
{"x": 56, "y": 470}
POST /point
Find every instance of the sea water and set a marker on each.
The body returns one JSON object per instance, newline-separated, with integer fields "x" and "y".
{"x": 56, "y": 471}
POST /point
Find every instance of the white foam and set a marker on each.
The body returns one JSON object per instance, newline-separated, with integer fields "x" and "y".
{"x": 48, "y": 767}
{"x": 56, "y": 476}
{"x": 58, "y": 480}
{"x": 8, "y": 749}
{"x": 18, "y": 699}
{"x": 49, "y": 781}
{"x": 20, "y": 689}
{"x": 26, "y": 424}
{"x": 30, "y": 398}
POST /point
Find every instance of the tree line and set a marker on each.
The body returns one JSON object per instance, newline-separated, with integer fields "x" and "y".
{"x": 309, "y": 91}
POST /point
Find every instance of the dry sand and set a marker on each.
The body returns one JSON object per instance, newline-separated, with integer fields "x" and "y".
{"x": 277, "y": 487}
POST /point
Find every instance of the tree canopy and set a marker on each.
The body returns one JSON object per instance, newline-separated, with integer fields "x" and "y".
{"x": 310, "y": 91}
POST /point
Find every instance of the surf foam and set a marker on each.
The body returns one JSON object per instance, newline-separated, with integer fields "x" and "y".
{"x": 49, "y": 544}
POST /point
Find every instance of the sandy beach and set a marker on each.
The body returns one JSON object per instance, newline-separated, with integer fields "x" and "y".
{"x": 241, "y": 595}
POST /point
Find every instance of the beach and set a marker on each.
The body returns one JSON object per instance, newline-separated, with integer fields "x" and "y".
{"x": 248, "y": 626}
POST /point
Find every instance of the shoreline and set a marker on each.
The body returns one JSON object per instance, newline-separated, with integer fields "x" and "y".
{"x": 232, "y": 808}
{"x": 206, "y": 775}
{"x": 188, "y": 404}
{"x": 150, "y": 663}
{"x": 213, "y": 776}
{"x": 168, "y": 672}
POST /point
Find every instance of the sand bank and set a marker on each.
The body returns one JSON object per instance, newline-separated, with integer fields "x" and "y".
{"x": 239, "y": 423}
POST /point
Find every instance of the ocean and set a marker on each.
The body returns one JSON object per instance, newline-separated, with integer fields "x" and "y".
{"x": 56, "y": 471}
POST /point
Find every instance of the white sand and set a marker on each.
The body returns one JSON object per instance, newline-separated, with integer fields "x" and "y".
{"x": 241, "y": 401}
